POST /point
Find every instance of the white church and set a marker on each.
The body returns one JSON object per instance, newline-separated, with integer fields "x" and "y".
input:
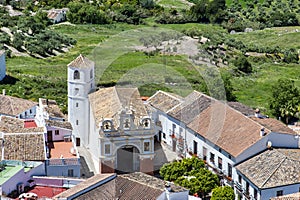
{"x": 112, "y": 123}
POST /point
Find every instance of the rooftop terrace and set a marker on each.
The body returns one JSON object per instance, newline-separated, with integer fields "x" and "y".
{"x": 61, "y": 150}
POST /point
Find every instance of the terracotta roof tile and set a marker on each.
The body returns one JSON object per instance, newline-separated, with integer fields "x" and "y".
{"x": 227, "y": 128}
{"x": 273, "y": 168}
{"x": 14, "y": 106}
{"x": 274, "y": 125}
{"x": 128, "y": 186}
{"x": 191, "y": 106}
{"x": 24, "y": 146}
{"x": 109, "y": 102}
{"x": 52, "y": 108}
{"x": 246, "y": 110}
{"x": 81, "y": 62}
{"x": 14, "y": 125}
{"x": 164, "y": 101}
{"x": 60, "y": 124}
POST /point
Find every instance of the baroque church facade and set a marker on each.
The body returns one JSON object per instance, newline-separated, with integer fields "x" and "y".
{"x": 113, "y": 123}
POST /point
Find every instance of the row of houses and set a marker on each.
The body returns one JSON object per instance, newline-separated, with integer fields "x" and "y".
{"x": 36, "y": 133}
{"x": 256, "y": 155}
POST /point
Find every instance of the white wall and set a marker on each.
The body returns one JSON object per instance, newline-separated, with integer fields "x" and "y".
{"x": 62, "y": 133}
{"x": 27, "y": 115}
{"x": 268, "y": 193}
{"x": 2, "y": 66}
{"x": 22, "y": 177}
{"x": 62, "y": 170}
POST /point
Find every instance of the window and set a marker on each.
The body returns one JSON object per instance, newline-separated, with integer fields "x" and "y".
{"x": 229, "y": 170}
{"x": 146, "y": 123}
{"x": 76, "y": 75}
{"x": 279, "y": 193}
{"x": 229, "y": 156}
{"x": 204, "y": 153}
{"x": 220, "y": 150}
{"x": 56, "y": 132}
{"x": 77, "y": 122}
{"x": 30, "y": 111}
{"x": 255, "y": 194}
{"x": 91, "y": 74}
{"x": 212, "y": 158}
{"x": 240, "y": 179}
{"x": 25, "y": 113}
{"x": 146, "y": 146}
{"x": 180, "y": 131}
{"x": 173, "y": 128}
{"x": 76, "y": 91}
{"x": 127, "y": 124}
{"x": 70, "y": 172}
{"x": 107, "y": 125}
{"x": 247, "y": 188}
{"x": 195, "y": 148}
{"x": 220, "y": 163}
{"x": 164, "y": 135}
{"x": 77, "y": 104}
{"x": 107, "y": 149}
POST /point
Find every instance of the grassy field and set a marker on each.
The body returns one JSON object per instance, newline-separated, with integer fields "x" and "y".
{"x": 284, "y": 37}
{"x": 32, "y": 78}
{"x": 178, "y": 4}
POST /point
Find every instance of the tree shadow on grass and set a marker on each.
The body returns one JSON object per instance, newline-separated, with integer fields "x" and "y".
{"x": 9, "y": 80}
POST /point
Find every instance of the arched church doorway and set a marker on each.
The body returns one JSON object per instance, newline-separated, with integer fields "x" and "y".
{"x": 128, "y": 159}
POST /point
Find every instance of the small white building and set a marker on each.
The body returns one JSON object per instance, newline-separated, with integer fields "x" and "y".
{"x": 57, "y": 15}
{"x": 2, "y": 65}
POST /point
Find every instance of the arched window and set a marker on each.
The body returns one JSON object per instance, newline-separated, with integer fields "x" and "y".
{"x": 76, "y": 74}
{"x": 107, "y": 125}
{"x": 146, "y": 123}
{"x": 91, "y": 73}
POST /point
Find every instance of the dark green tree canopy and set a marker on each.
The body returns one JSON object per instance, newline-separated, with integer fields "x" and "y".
{"x": 285, "y": 99}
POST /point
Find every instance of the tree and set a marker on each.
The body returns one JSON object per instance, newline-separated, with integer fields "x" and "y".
{"x": 191, "y": 174}
{"x": 243, "y": 64}
{"x": 224, "y": 193}
{"x": 285, "y": 99}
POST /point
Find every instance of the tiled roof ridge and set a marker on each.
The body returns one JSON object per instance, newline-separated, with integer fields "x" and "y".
{"x": 285, "y": 157}
{"x": 142, "y": 183}
{"x": 166, "y": 93}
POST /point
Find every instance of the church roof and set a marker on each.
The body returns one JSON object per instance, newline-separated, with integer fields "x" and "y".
{"x": 14, "y": 106}
{"x": 81, "y": 62}
{"x": 110, "y": 102}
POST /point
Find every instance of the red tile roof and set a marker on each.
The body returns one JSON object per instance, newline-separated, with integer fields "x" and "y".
{"x": 44, "y": 191}
{"x": 30, "y": 124}
{"x": 61, "y": 149}
{"x": 227, "y": 128}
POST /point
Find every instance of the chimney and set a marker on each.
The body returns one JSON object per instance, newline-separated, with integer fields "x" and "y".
{"x": 262, "y": 132}
{"x": 3, "y": 92}
{"x": 257, "y": 113}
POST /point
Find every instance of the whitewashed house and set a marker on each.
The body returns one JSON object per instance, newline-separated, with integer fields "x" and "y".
{"x": 2, "y": 65}
{"x": 57, "y": 15}
{"x": 222, "y": 135}
{"x": 17, "y": 107}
